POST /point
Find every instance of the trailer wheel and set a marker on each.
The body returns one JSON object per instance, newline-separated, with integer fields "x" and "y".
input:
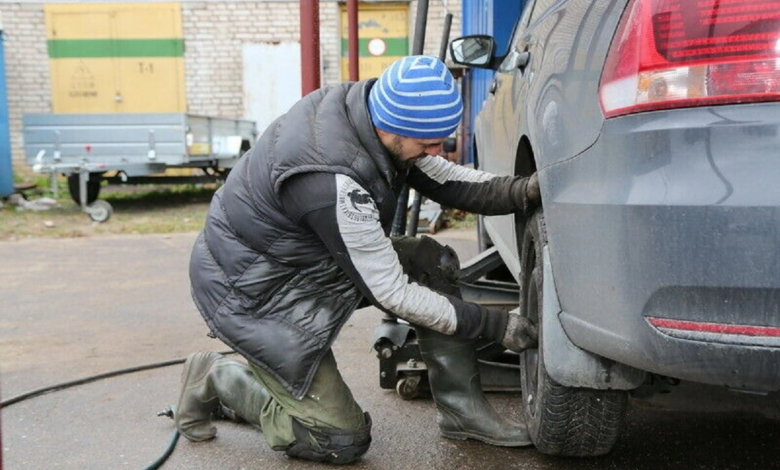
{"x": 566, "y": 421}
{"x": 93, "y": 187}
{"x": 100, "y": 211}
{"x": 245, "y": 146}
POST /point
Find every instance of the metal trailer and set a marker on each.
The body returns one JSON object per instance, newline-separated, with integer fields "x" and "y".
{"x": 128, "y": 148}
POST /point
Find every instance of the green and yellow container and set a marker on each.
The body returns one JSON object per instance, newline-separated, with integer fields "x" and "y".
{"x": 116, "y": 58}
{"x": 383, "y": 37}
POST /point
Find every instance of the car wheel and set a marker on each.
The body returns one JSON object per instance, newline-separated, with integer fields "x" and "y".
{"x": 562, "y": 420}
{"x": 484, "y": 243}
{"x": 483, "y": 239}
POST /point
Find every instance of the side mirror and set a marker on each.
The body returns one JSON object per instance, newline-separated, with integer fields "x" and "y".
{"x": 474, "y": 51}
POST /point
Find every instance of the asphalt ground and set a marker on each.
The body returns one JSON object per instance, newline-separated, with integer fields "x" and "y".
{"x": 73, "y": 308}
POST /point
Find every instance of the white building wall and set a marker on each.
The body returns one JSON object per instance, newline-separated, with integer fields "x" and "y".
{"x": 28, "y": 82}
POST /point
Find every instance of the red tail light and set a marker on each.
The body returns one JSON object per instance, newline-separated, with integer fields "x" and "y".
{"x": 681, "y": 53}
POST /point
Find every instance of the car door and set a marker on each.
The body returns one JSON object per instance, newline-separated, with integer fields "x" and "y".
{"x": 491, "y": 129}
{"x": 501, "y": 129}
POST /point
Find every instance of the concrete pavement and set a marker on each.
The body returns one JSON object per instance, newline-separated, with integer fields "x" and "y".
{"x": 78, "y": 307}
{"x": 73, "y": 308}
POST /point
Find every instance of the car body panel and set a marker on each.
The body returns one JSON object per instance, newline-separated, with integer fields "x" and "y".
{"x": 565, "y": 362}
{"x": 674, "y": 215}
{"x": 668, "y": 214}
{"x": 558, "y": 130}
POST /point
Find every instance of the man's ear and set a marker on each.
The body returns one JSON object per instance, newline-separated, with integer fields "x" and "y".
{"x": 385, "y": 137}
{"x": 382, "y": 134}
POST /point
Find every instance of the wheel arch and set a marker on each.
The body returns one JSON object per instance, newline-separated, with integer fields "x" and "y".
{"x": 475, "y": 151}
{"x": 525, "y": 165}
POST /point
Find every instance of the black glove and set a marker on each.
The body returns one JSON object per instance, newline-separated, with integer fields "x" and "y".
{"x": 509, "y": 329}
{"x": 520, "y": 333}
{"x": 532, "y": 191}
{"x": 526, "y": 193}
{"x": 512, "y": 331}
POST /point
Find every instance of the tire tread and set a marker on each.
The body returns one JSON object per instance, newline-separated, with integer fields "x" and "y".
{"x": 565, "y": 421}
{"x": 578, "y": 422}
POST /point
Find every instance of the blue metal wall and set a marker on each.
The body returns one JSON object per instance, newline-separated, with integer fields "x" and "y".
{"x": 496, "y": 18}
{"x": 6, "y": 170}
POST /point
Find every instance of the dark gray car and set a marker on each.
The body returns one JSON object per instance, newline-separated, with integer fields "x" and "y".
{"x": 654, "y": 127}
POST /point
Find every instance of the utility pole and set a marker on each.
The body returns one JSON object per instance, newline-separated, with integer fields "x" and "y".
{"x": 352, "y": 21}
{"x": 310, "y": 45}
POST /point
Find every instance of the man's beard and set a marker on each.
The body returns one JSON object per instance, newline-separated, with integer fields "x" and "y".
{"x": 395, "y": 153}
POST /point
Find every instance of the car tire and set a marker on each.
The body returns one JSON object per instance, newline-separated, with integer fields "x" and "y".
{"x": 564, "y": 421}
{"x": 93, "y": 187}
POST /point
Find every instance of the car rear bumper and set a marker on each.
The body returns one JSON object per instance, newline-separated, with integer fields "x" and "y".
{"x": 664, "y": 240}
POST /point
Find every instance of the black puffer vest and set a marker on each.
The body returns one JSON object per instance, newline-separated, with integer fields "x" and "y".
{"x": 265, "y": 285}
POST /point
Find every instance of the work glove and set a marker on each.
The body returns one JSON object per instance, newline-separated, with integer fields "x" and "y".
{"x": 526, "y": 194}
{"x": 499, "y": 326}
{"x": 520, "y": 334}
{"x": 509, "y": 329}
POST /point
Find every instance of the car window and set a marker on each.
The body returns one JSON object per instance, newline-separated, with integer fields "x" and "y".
{"x": 522, "y": 22}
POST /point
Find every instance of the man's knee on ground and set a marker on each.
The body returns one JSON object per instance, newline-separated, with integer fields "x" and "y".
{"x": 338, "y": 446}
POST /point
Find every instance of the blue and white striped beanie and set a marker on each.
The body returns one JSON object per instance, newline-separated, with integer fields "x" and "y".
{"x": 416, "y": 97}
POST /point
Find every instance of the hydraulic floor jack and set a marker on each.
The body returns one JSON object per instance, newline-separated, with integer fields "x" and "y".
{"x": 400, "y": 364}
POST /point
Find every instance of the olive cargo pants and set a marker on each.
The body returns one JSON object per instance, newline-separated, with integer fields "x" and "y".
{"x": 329, "y": 402}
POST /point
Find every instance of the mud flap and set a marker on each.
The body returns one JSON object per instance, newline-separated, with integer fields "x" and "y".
{"x": 566, "y": 363}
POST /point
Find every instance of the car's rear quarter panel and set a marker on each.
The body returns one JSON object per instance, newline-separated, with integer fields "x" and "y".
{"x": 673, "y": 214}
{"x": 568, "y": 48}
{"x": 670, "y": 214}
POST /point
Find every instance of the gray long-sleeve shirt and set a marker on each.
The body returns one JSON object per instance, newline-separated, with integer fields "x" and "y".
{"x": 345, "y": 218}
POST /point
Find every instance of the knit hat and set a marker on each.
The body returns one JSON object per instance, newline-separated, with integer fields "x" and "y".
{"x": 416, "y": 97}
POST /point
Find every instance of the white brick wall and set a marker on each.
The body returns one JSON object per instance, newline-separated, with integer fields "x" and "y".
{"x": 330, "y": 43}
{"x": 435, "y": 27}
{"x": 28, "y": 81}
{"x": 214, "y": 36}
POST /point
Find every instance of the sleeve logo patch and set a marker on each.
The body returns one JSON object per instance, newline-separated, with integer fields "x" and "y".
{"x": 355, "y": 202}
{"x": 357, "y": 197}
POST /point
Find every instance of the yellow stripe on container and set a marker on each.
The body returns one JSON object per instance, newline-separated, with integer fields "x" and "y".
{"x": 113, "y": 20}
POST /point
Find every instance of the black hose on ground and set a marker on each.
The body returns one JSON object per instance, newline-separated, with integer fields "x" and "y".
{"x": 93, "y": 378}
{"x": 167, "y": 453}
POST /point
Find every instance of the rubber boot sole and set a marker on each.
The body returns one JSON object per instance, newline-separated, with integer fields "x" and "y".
{"x": 452, "y": 428}
{"x": 463, "y": 435}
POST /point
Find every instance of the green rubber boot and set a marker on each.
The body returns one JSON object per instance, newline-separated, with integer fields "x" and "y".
{"x": 463, "y": 410}
{"x": 213, "y": 386}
